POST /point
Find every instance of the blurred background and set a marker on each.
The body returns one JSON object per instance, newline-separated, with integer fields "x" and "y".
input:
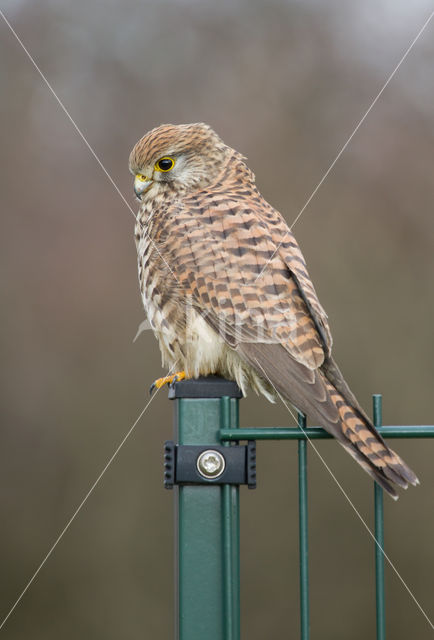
{"x": 285, "y": 83}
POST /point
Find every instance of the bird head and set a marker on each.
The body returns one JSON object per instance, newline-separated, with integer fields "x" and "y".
{"x": 177, "y": 158}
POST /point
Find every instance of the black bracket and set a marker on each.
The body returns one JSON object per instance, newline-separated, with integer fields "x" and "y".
{"x": 212, "y": 464}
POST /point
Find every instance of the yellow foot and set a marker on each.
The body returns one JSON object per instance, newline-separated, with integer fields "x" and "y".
{"x": 160, "y": 382}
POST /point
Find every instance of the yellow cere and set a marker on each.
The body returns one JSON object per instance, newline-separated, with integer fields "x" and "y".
{"x": 141, "y": 177}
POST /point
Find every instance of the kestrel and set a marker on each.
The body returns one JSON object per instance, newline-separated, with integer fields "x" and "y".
{"x": 227, "y": 291}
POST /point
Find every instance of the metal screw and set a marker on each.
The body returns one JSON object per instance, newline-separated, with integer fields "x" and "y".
{"x": 211, "y": 464}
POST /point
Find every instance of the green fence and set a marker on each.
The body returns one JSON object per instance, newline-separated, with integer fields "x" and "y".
{"x": 205, "y": 465}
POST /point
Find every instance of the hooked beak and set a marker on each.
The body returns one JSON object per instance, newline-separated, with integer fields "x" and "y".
{"x": 141, "y": 184}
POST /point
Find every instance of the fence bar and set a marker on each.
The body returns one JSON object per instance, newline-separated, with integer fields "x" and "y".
{"x": 206, "y": 521}
{"x": 317, "y": 433}
{"x": 231, "y": 544}
{"x": 303, "y": 533}
{"x": 379, "y": 537}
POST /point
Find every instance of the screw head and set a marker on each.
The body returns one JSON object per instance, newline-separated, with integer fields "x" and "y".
{"x": 210, "y": 464}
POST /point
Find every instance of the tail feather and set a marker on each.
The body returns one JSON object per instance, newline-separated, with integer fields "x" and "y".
{"x": 358, "y": 457}
{"x": 324, "y": 396}
{"x": 368, "y": 447}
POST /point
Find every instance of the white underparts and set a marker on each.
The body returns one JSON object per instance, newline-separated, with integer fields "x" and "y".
{"x": 207, "y": 353}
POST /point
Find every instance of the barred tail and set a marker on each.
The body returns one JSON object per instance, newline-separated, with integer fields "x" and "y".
{"x": 365, "y": 444}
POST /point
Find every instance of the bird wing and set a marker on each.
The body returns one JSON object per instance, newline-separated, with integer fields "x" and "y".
{"x": 246, "y": 275}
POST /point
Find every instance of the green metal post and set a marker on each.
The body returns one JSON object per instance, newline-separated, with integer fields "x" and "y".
{"x": 231, "y": 544}
{"x": 206, "y": 520}
{"x": 379, "y": 537}
{"x": 303, "y": 533}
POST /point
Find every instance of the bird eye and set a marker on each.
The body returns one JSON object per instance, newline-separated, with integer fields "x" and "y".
{"x": 165, "y": 164}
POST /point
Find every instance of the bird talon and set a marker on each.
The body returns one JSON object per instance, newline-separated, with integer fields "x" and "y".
{"x": 170, "y": 380}
{"x": 177, "y": 377}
